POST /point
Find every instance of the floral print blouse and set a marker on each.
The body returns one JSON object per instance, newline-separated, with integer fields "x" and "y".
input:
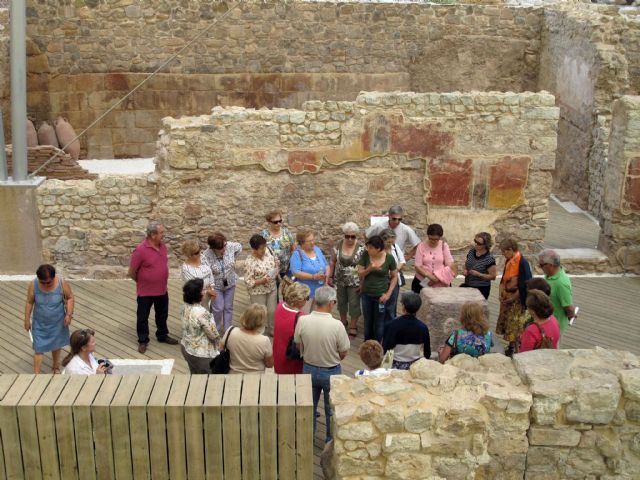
{"x": 345, "y": 273}
{"x": 255, "y": 269}
{"x": 199, "y": 335}
{"x": 470, "y": 343}
{"x": 280, "y": 246}
{"x": 223, "y": 267}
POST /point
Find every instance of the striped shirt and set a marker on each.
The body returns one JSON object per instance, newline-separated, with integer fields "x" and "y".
{"x": 480, "y": 264}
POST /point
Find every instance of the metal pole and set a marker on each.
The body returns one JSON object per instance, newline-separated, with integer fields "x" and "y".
{"x": 4, "y": 175}
{"x": 19, "y": 89}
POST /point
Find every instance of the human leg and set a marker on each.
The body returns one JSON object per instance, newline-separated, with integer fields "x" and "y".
{"x": 217, "y": 309}
{"x": 342, "y": 298}
{"x": 142, "y": 315}
{"x": 353, "y": 303}
{"x": 390, "y": 308}
{"x": 368, "y": 305}
{"x": 56, "y": 360}
{"x": 272, "y": 300}
{"x": 325, "y": 380}
{"x": 161, "y": 307}
{"x": 379, "y": 312}
{"x": 37, "y": 361}
{"x": 315, "y": 389}
{"x": 229, "y": 295}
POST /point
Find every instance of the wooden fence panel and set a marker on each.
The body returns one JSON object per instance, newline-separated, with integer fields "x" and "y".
{"x": 194, "y": 427}
{"x": 268, "y": 427}
{"x": 304, "y": 428}
{"x": 139, "y": 428}
{"x": 5, "y": 383}
{"x": 286, "y": 427}
{"x": 29, "y": 429}
{"x": 9, "y": 426}
{"x": 45, "y": 418}
{"x": 83, "y": 427}
{"x": 100, "y": 415}
{"x": 231, "y": 427}
{"x": 249, "y": 426}
{"x": 65, "y": 435}
{"x": 176, "y": 442}
{"x": 158, "y": 428}
{"x": 212, "y": 413}
{"x": 120, "y": 435}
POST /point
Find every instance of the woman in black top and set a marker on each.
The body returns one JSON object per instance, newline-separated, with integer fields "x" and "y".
{"x": 480, "y": 267}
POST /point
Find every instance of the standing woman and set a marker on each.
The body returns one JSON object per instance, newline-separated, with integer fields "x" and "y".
{"x": 260, "y": 271}
{"x": 390, "y": 246}
{"x": 308, "y": 264}
{"x": 513, "y": 294}
{"x": 284, "y": 324}
{"x": 50, "y": 299}
{"x": 221, "y": 257}
{"x": 480, "y": 267}
{"x": 280, "y": 241}
{"x": 379, "y": 276}
{"x": 193, "y": 267}
{"x": 343, "y": 272}
{"x": 434, "y": 261}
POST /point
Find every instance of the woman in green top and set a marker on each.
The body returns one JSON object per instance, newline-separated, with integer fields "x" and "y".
{"x": 378, "y": 276}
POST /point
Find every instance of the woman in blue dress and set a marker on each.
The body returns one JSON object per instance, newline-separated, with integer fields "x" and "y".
{"x": 50, "y": 299}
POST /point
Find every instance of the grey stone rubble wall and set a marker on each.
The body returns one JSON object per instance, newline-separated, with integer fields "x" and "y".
{"x": 547, "y": 414}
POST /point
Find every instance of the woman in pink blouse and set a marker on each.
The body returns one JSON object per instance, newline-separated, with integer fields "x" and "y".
{"x": 260, "y": 271}
{"x": 434, "y": 262}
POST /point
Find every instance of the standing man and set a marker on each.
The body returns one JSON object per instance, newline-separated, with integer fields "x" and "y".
{"x": 406, "y": 237}
{"x": 149, "y": 268}
{"x": 561, "y": 295}
{"x": 323, "y": 342}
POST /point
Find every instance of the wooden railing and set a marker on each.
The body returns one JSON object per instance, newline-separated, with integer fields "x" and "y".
{"x": 156, "y": 427}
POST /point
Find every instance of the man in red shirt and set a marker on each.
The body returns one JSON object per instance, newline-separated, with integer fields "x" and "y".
{"x": 149, "y": 268}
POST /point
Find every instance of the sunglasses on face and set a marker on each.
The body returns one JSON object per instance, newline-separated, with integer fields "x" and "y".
{"x": 542, "y": 265}
{"x": 350, "y": 237}
{"x": 395, "y": 219}
{"x": 275, "y": 222}
{"x": 478, "y": 243}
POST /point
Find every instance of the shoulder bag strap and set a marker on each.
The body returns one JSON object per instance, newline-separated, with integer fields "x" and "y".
{"x": 226, "y": 342}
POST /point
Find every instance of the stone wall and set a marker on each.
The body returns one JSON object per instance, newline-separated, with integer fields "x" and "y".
{"x": 90, "y": 227}
{"x": 264, "y": 54}
{"x": 473, "y": 162}
{"x": 620, "y": 235}
{"x": 547, "y": 414}
{"x": 5, "y": 70}
{"x": 583, "y": 64}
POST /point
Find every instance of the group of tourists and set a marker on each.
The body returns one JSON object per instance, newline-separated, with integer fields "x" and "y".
{"x": 361, "y": 275}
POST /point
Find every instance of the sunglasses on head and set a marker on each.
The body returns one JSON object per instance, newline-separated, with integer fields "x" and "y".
{"x": 350, "y": 237}
{"x": 276, "y": 221}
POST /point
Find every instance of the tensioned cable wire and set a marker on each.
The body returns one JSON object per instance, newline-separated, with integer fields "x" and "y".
{"x": 164, "y": 64}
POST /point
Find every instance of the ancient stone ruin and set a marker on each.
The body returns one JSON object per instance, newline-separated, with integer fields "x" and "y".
{"x": 313, "y": 113}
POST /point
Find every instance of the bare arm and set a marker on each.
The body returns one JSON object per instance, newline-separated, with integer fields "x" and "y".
{"x": 268, "y": 361}
{"x": 343, "y": 354}
{"x": 70, "y": 303}
{"x": 392, "y": 286}
{"x": 29, "y": 307}
{"x": 444, "y": 353}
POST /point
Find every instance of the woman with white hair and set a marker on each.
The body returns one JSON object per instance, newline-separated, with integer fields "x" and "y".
{"x": 343, "y": 273}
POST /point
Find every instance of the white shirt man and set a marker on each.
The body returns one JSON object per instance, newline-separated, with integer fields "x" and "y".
{"x": 406, "y": 237}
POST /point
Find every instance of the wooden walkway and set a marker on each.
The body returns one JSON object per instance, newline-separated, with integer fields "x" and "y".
{"x": 608, "y": 318}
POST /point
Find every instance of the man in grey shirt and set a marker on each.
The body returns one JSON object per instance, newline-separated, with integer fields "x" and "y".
{"x": 406, "y": 237}
{"x": 323, "y": 342}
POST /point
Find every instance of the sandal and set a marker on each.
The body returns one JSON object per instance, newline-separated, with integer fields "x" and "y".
{"x": 56, "y": 371}
{"x": 353, "y": 332}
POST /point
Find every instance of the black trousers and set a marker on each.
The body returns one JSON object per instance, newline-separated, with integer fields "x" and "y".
{"x": 161, "y": 306}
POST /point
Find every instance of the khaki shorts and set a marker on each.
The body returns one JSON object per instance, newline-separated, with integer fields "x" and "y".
{"x": 349, "y": 301}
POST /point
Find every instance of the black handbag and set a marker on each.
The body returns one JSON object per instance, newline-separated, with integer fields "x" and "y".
{"x": 221, "y": 364}
{"x": 292, "y": 352}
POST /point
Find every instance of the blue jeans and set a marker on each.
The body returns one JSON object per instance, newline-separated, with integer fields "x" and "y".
{"x": 390, "y": 308}
{"x": 321, "y": 382}
{"x": 373, "y": 313}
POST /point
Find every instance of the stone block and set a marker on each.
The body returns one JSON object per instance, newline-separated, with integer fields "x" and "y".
{"x": 561, "y": 437}
{"x": 363, "y": 431}
{"x": 630, "y": 381}
{"x": 596, "y": 400}
{"x": 407, "y": 465}
{"x": 401, "y": 442}
{"x": 439, "y": 305}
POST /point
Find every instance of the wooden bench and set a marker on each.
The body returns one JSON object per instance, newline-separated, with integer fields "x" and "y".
{"x": 162, "y": 427}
